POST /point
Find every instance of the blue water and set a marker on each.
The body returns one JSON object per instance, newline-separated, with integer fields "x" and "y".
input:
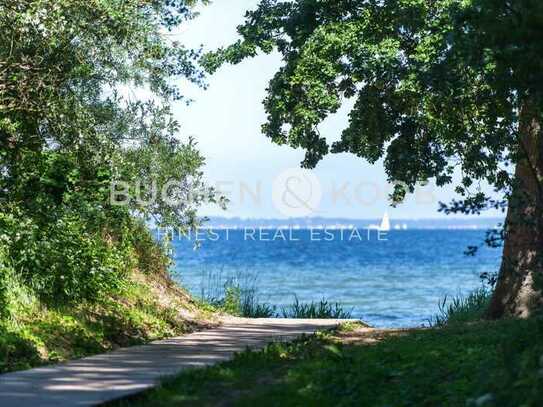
{"x": 397, "y": 282}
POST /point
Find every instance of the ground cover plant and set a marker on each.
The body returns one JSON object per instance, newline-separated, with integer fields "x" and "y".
{"x": 461, "y": 363}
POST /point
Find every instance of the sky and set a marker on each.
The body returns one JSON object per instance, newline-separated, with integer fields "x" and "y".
{"x": 225, "y": 121}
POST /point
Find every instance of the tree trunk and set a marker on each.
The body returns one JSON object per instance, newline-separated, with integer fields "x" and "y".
{"x": 519, "y": 287}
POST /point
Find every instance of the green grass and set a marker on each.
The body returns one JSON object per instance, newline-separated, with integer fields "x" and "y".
{"x": 147, "y": 309}
{"x": 238, "y": 295}
{"x": 245, "y": 304}
{"x": 235, "y": 294}
{"x": 316, "y": 310}
{"x": 477, "y": 364}
{"x": 462, "y": 308}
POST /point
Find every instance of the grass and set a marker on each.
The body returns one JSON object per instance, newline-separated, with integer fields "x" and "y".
{"x": 244, "y": 303}
{"x": 238, "y": 295}
{"x": 461, "y": 360}
{"x": 462, "y": 308}
{"x": 316, "y": 310}
{"x": 235, "y": 294}
{"x": 477, "y": 364}
{"x": 147, "y": 309}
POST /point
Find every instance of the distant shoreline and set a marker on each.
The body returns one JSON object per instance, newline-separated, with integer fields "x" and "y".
{"x": 471, "y": 223}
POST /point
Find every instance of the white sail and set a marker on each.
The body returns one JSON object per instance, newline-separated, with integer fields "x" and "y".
{"x": 385, "y": 223}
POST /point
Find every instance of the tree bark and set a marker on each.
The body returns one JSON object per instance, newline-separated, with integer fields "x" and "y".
{"x": 519, "y": 287}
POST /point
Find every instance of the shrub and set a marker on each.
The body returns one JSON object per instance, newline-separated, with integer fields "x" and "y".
{"x": 65, "y": 262}
{"x": 151, "y": 256}
{"x": 16, "y": 351}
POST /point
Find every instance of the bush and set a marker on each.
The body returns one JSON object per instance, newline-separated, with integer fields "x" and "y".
{"x": 66, "y": 263}
{"x": 62, "y": 261}
{"x": 68, "y": 137}
{"x": 16, "y": 351}
{"x": 151, "y": 257}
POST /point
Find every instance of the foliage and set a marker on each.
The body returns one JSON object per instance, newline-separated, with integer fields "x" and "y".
{"x": 146, "y": 310}
{"x": 462, "y": 309}
{"x": 433, "y": 81}
{"x": 445, "y": 90}
{"x": 86, "y": 89}
{"x": 64, "y": 261}
{"x": 315, "y": 310}
{"x": 231, "y": 303}
{"x": 18, "y": 352}
{"x": 5, "y": 272}
{"x": 236, "y": 295}
{"x": 480, "y": 364}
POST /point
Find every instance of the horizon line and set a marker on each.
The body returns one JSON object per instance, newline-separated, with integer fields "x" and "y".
{"x": 446, "y": 217}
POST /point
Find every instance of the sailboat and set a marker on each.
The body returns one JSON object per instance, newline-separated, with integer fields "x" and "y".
{"x": 385, "y": 223}
{"x": 384, "y": 226}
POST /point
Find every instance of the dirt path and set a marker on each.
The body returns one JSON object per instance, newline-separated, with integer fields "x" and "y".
{"x": 370, "y": 336}
{"x": 105, "y": 377}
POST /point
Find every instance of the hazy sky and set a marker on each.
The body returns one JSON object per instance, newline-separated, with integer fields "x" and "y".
{"x": 225, "y": 120}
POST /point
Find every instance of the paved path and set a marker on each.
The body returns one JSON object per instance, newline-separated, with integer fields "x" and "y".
{"x": 126, "y": 371}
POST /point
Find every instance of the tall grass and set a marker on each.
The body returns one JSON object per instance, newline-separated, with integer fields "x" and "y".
{"x": 462, "y": 308}
{"x": 235, "y": 294}
{"x": 238, "y": 295}
{"x": 316, "y": 310}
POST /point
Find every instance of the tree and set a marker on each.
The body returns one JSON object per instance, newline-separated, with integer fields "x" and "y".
{"x": 441, "y": 87}
{"x": 71, "y": 126}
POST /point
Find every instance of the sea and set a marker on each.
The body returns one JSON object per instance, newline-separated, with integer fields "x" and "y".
{"x": 394, "y": 278}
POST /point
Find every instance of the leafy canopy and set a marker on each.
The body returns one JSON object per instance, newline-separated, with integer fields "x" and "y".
{"x": 86, "y": 89}
{"x": 438, "y": 85}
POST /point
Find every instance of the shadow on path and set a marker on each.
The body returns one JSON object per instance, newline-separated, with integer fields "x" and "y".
{"x": 127, "y": 371}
